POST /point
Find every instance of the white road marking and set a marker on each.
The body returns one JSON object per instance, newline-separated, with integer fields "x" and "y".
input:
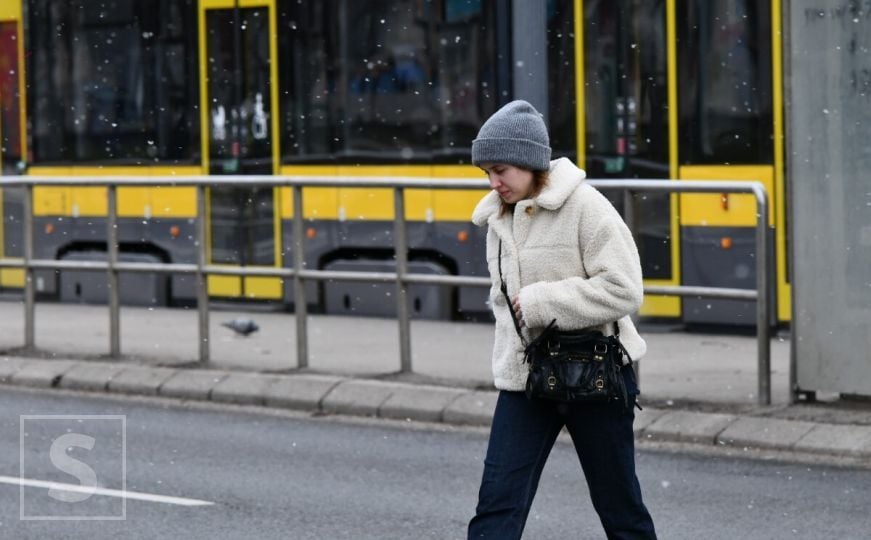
{"x": 181, "y": 501}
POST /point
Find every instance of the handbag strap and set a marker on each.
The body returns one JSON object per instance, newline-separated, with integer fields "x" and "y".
{"x": 504, "y": 289}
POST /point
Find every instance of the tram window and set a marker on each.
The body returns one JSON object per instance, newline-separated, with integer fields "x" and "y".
{"x": 724, "y": 87}
{"x": 562, "y": 101}
{"x": 626, "y": 94}
{"x": 114, "y": 81}
{"x": 10, "y": 144}
{"x": 378, "y": 80}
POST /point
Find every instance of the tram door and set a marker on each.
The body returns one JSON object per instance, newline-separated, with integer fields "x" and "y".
{"x": 243, "y": 220}
{"x": 627, "y": 122}
{"x": 12, "y": 148}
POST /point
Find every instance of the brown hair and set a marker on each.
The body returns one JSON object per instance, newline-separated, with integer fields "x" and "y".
{"x": 539, "y": 180}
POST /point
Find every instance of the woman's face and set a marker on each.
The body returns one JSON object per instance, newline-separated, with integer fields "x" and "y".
{"x": 512, "y": 183}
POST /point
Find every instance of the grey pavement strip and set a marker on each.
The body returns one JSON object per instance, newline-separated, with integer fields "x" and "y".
{"x": 474, "y": 408}
{"x": 419, "y": 403}
{"x": 192, "y": 383}
{"x": 389, "y": 399}
{"x": 843, "y": 439}
{"x": 93, "y": 376}
{"x": 304, "y": 392}
{"x": 42, "y": 373}
{"x": 758, "y": 432}
{"x": 645, "y": 417}
{"x": 140, "y": 380}
{"x": 686, "y": 426}
{"x": 358, "y": 397}
{"x": 243, "y": 388}
{"x": 9, "y": 366}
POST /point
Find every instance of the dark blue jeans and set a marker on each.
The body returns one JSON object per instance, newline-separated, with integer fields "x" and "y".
{"x": 521, "y": 437}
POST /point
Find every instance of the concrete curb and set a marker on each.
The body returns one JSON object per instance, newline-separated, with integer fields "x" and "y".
{"x": 686, "y": 426}
{"x": 387, "y": 399}
{"x": 93, "y": 377}
{"x": 140, "y": 380}
{"x": 42, "y": 373}
{"x": 192, "y": 384}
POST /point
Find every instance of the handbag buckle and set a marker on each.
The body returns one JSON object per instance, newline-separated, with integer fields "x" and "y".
{"x": 551, "y": 382}
{"x": 600, "y": 348}
{"x": 600, "y": 383}
{"x": 553, "y": 348}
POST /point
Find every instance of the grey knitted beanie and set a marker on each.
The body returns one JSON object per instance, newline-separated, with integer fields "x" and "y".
{"x": 516, "y": 135}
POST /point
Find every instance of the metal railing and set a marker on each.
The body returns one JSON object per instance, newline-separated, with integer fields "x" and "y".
{"x": 402, "y": 278}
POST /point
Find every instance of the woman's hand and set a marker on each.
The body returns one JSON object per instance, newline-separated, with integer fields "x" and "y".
{"x": 517, "y": 311}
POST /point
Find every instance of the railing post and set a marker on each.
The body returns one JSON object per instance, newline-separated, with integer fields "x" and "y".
{"x": 299, "y": 297}
{"x": 202, "y": 278}
{"x": 29, "y": 293}
{"x": 762, "y": 304}
{"x": 400, "y": 244}
{"x": 112, "y": 273}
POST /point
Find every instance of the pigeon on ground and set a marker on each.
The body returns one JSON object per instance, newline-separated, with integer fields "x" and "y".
{"x": 243, "y": 327}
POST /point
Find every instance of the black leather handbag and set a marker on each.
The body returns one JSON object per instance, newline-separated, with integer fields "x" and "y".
{"x": 572, "y": 365}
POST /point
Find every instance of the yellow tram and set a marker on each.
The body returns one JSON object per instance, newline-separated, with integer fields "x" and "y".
{"x": 680, "y": 89}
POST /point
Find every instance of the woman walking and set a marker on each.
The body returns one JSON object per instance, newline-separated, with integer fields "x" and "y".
{"x": 564, "y": 253}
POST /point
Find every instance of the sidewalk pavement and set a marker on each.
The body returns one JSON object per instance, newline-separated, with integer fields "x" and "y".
{"x": 696, "y": 388}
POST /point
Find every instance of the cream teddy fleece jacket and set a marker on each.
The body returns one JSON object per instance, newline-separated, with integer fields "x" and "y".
{"x": 570, "y": 257}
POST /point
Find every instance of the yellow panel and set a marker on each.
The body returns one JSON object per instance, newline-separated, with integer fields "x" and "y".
{"x": 318, "y": 203}
{"x": 671, "y": 305}
{"x": 134, "y": 202}
{"x": 224, "y": 286}
{"x": 277, "y": 244}
{"x": 418, "y": 204}
{"x": 217, "y": 4}
{"x": 12, "y": 277}
{"x": 181, "y": 170}
{"x": 377, "y": 204}
{"x": 450, "y": 205}
{"x": 784, "y": 295}
{"x": 309, "y": 170}
{"x": 263, "y": 288}
{"x": 22, "y": 90}
{"x": 660, "y": 306}
{"x": 371, "y": 204}
{"x": 457, "y": 171}
{"x": 51, "y": 201}
{"x": 88, "y": 201}
{"x": 177, "y": 202}
{"x": 10, "y": 10}
{"x": 709, "y": 210}
{"x": 323, "y": 203}
{"x": 36, "y": 170}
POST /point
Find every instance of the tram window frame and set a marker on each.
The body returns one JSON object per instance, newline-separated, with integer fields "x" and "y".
{"x": 707, "y": 137}
{"x": 318, "y": 48}
{"x": 561, "y": 83}
{"x": 150, "y": 106}
{"x": 11, "y": 143}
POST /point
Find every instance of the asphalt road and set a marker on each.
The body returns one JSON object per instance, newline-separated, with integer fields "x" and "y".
{"x": 290, "y": 476}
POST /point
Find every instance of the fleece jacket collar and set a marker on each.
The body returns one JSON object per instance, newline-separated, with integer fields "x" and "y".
{"x": 564, "y": 177}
